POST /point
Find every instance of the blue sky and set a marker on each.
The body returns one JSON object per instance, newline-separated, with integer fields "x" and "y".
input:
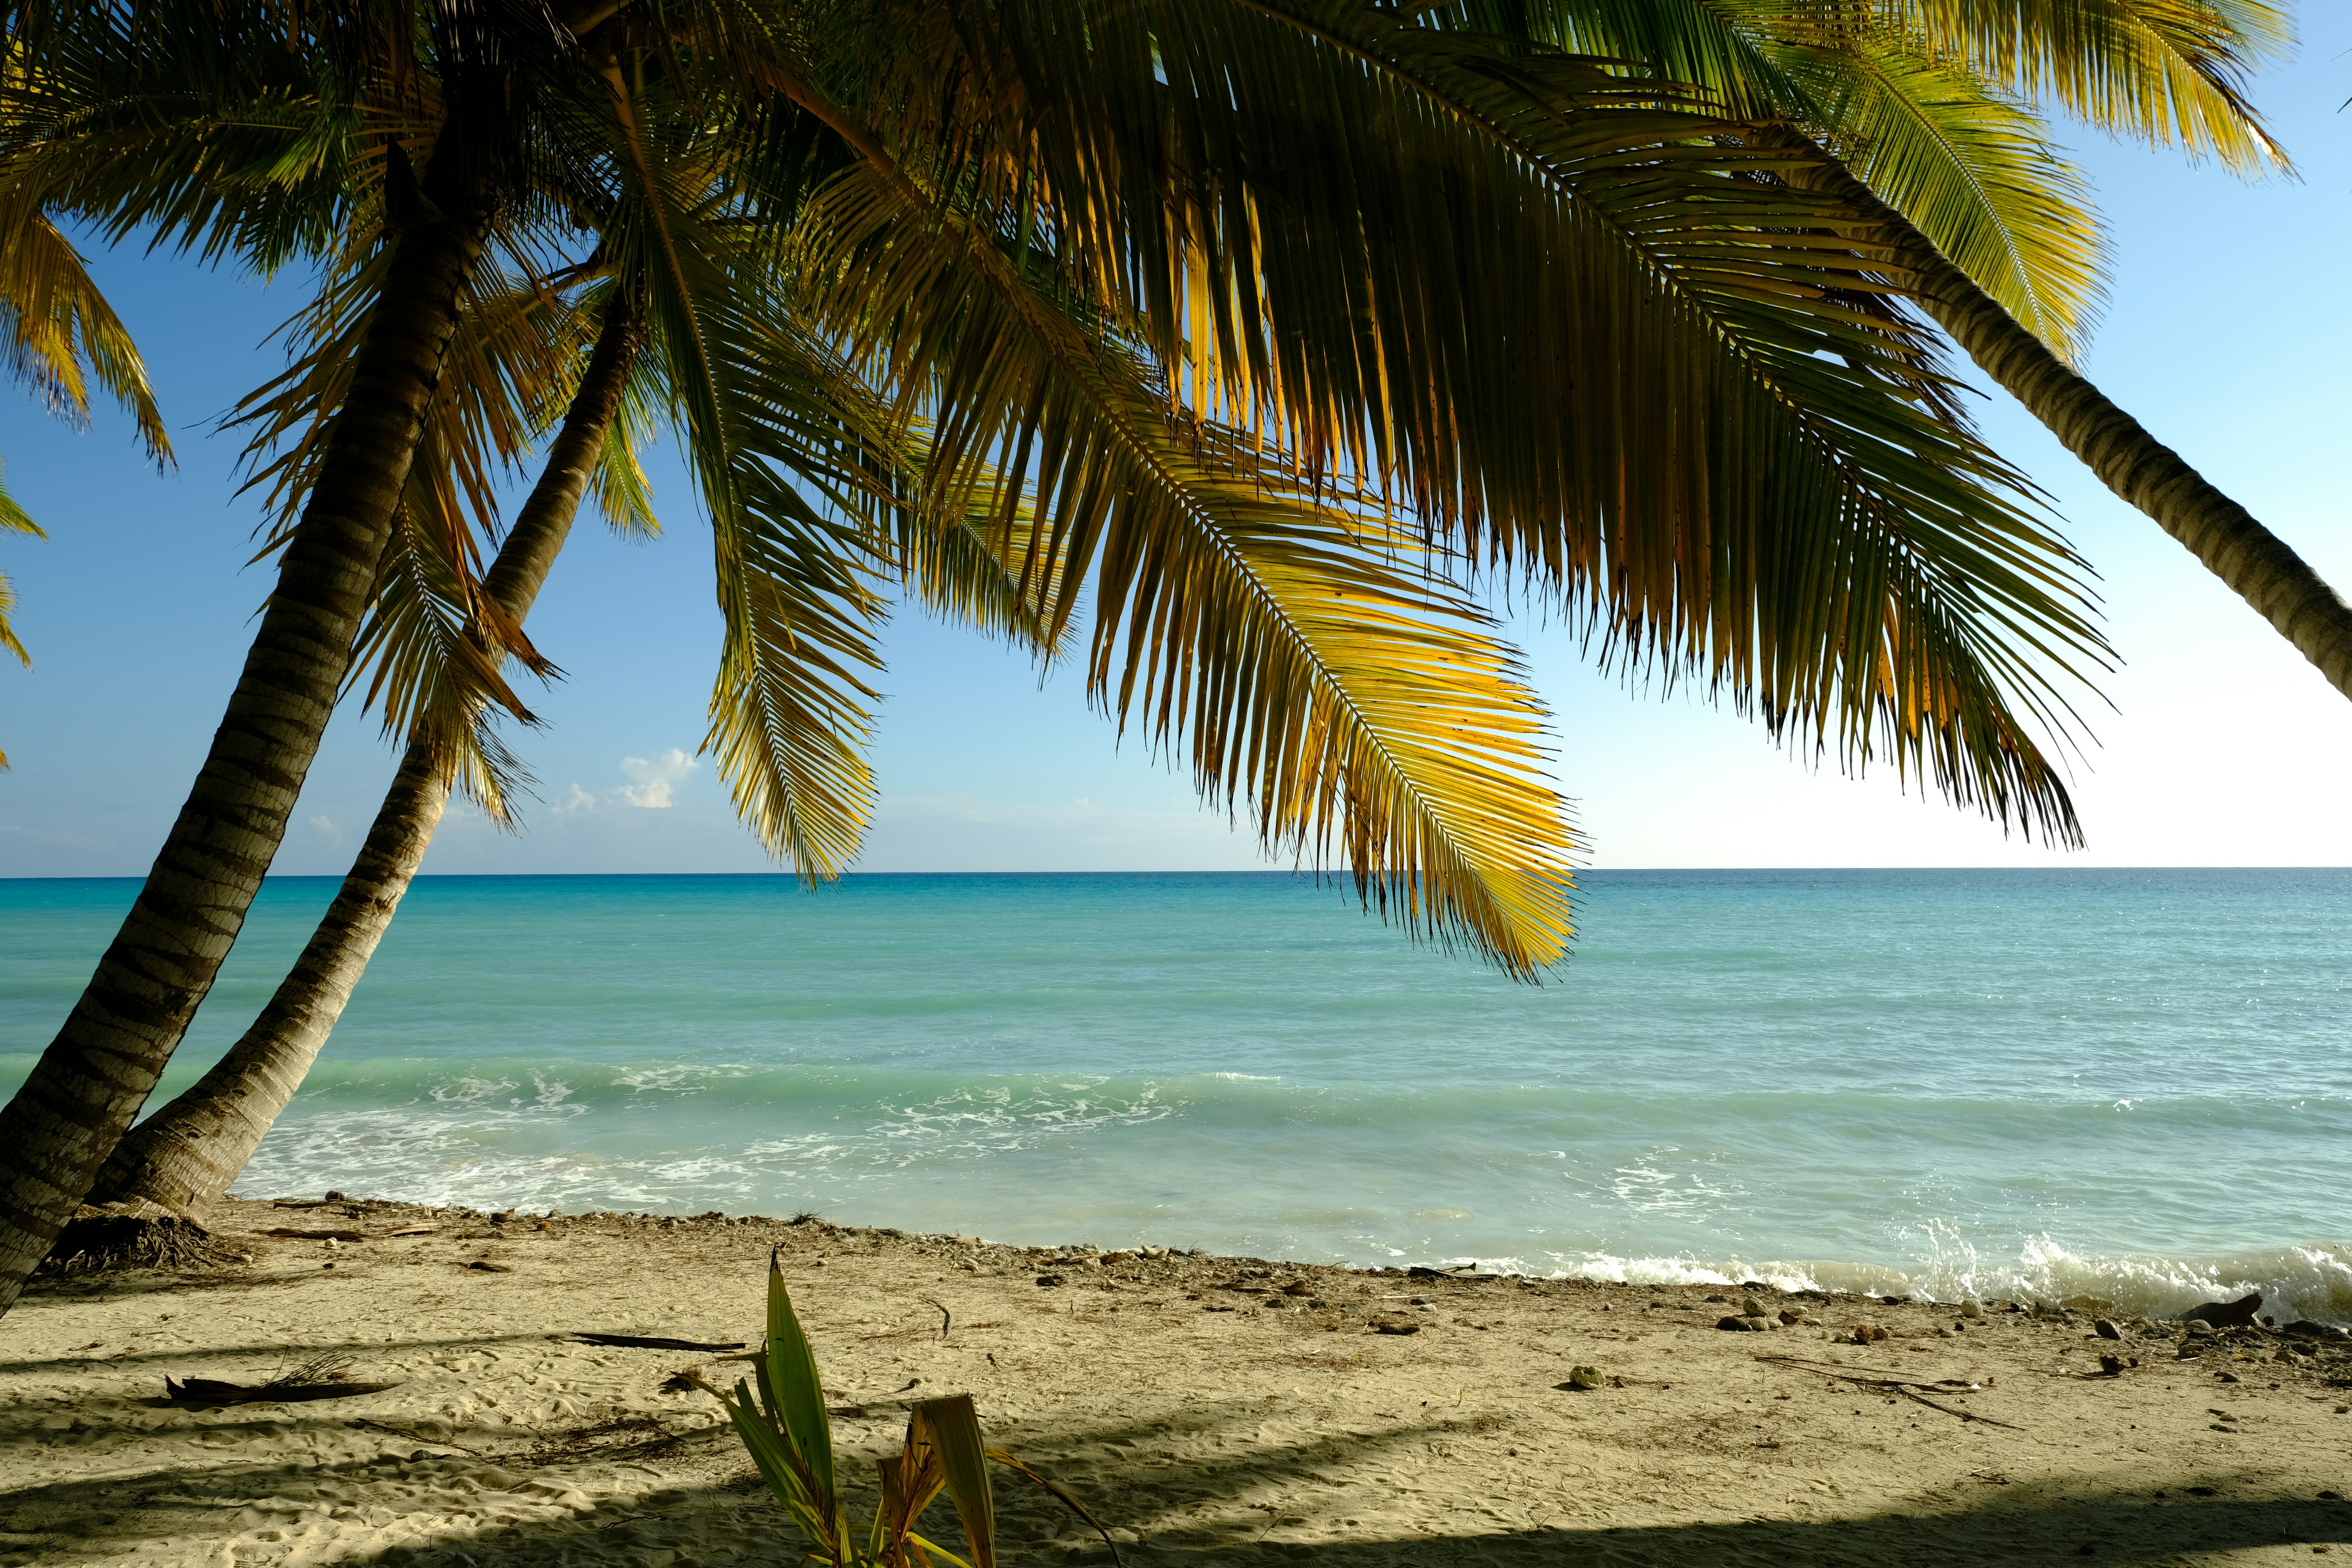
{"x": 2227, "y": 334}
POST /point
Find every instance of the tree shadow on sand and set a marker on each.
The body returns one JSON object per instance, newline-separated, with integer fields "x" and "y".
{"x": 1204, "y": 1510}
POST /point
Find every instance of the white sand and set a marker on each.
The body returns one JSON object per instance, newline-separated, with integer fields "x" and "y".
{"x": 1278, "y": 1430}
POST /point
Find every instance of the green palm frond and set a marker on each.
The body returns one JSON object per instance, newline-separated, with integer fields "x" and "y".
{"x": 1246, "y": 617}
{"x": 433, "y": 646}
{"x": 790, "y": 712}
{"x": 1584, "y": 335}
{"x": 1972, "y": 171}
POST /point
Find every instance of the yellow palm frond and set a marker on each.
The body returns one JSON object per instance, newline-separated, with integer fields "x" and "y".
{"x": 1974, "y": 172}
{"x": 59, "y": 335}
{"x": 1244, "y": 618}
{"x": 2171, "y": 73}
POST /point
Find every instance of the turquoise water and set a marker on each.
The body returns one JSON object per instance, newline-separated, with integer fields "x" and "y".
{"x": 2130, "y": 1083}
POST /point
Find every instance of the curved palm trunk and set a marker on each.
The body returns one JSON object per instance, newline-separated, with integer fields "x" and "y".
{"x": 185, "y": 1156}
{"x": 2259, "y": 566}
{"x": 96, "y": 1074}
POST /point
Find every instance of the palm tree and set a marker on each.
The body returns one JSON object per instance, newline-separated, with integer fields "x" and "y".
{"x": 229, "y": 71}
{"x": 1230, "y": 332}
{"x": 1981, "y": 218}
{"x": 184, "y": 1158}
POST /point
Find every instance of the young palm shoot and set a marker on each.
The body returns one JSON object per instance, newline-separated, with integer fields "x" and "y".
{"x": 784, "y": 1425}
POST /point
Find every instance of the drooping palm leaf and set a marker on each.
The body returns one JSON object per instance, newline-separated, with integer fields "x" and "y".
{"x": 790, "y": 709}
{"x": 2169, "y": 73}
{"x": 1576, "y": 329}
{"x": 1242, "y": 617}
{"x": 1974, "y": 172}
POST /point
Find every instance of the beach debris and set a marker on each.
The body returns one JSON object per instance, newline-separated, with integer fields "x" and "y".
{"x": 484, "y": 1266}
{"x": 2242, "y": 1313}
{"x": 106, "y": 1238}
{"x": 1049, "y": 1281}
{"x": 413, "y": 1230}
{"x": 1863, "y": 1334}
{"x": 2114, "y": 1365}
{"x": 320, "y": 1377}
{"x": 1391, "y": 1324}
{"x": 1972, "y": 1308}
{"x": 1791, "y": 1316}
{"x": 2107, "y": 1329}
{"x": 290, "y": 1234}
{"x": 654, "y": 1342}
{"x": 1581, "y": 1378}
{"x": 1907, "y": 1388}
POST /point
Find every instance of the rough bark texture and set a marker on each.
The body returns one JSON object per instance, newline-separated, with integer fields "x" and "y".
{"x": 92, "y": 1079}
{"x": 185, "y": 1157}
{"x": 2259, "y": 566}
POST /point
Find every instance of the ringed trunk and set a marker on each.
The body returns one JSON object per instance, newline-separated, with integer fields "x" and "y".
{"x": 96, "y": 1074}
{"x": 2259, "y": 567}
{"x": 185, "y": 1156}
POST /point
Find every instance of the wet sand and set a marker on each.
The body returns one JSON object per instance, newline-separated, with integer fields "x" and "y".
{"x": 1211, "y": 1409}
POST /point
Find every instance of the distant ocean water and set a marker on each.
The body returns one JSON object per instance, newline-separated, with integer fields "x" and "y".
{"x": 2129, "y": 1084}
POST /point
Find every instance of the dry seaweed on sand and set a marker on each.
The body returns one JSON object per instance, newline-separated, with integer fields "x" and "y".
{"x": 110, "y": 1243}
{"x": 320, "y": 1377}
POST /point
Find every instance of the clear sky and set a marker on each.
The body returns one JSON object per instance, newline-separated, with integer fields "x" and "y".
{"x": 2227, "y": 334}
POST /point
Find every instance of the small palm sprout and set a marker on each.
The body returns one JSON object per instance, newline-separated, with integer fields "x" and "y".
{"x": 785, "y": 1425}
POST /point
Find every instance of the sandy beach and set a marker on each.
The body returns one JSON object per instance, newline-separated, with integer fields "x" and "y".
{"x": 1211, "y": 1409}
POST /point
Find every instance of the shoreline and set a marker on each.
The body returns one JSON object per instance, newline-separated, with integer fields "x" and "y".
{"x": 1211, "y": 1409}
{"x": 2309, "y": 1279}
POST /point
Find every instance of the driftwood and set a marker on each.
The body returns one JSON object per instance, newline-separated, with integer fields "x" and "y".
{"x": 290, "y": 1234}
{"x": 1907, "y": 1387}
{"x": 648, "y": 1342}
{"x": 320, "y": 1377}
{"x": 210, "y": 1390}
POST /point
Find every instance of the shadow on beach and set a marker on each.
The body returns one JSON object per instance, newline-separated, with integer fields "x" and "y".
{"x": 1197, "y": 1511}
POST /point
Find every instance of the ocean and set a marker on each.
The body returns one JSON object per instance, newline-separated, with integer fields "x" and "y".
{"x": 2129, "y": 1084}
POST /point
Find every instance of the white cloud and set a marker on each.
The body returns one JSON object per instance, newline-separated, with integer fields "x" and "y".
{"x": 575, "y": 799}
{"x": 654, "y": 783}
{"x": 326, "y": 828}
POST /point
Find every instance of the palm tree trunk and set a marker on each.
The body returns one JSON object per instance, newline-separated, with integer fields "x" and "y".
{"x": 185, "y": 1157}
{"x": 96, "y": 1074}
{"x": 2259, "y": 566}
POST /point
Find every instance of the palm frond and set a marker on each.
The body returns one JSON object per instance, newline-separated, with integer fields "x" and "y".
{"x": 2171, "y": 73}
{"x": 12, "y": 520}
{"x": 790, "y": 719}
{"x": 1975, "y": 174}
{"x": 58, "y": 334}
{"x": 1571, "y": 326}
{"x": 1246, "y": 616}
